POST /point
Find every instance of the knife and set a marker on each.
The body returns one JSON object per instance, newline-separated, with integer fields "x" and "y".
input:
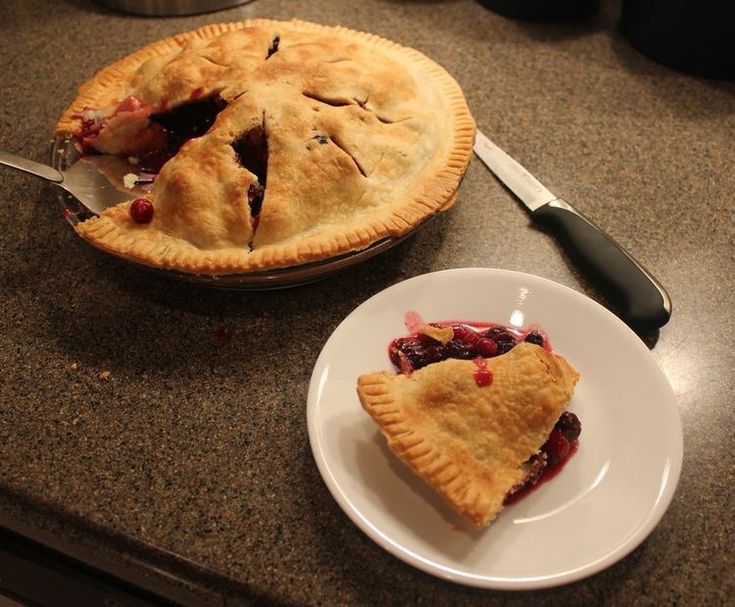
{"x": 643, "y": 302}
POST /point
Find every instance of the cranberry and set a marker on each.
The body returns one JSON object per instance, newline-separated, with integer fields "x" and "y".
{"x": 569, "y": 425}
{"x": 486, "y": 347}
{"x": 141, "y": 210}
{"x": 556, "y": 447}
{"x": 465, "y": 334}
{"x": 534, "y": 337}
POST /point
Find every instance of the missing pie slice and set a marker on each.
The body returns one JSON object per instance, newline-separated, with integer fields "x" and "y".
{"x": 471, "y": 440}
{"x": 272, "y": 144}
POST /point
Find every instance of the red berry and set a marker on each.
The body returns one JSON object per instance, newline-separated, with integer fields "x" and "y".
{"x": 486, "y": 347}
{"x": 141, "y": 210}
{"x": 556, "y": 447}
{"x": 464, "y": 334}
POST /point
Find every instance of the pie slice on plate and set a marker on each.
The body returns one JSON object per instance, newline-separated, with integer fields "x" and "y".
{"x": 470, "y": 439}
{"x": 271, "y": 144}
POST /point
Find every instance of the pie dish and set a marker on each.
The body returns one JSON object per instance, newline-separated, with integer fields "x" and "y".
{"x": 271, "y": 144}
{"x": 469, "y": 437}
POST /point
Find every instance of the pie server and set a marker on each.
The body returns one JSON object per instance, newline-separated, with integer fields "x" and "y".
{"x": 84, "y": 180}
{"x": 643, "y": 302}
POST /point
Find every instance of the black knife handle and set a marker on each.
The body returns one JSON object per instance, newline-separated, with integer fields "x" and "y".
{"x": 644, "y": 304}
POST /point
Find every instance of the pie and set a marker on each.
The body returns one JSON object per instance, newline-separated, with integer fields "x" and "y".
{"x": 477, "y": 429}
{"x": 271, "y": 144}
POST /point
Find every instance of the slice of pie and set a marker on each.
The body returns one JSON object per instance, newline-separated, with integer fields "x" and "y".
{"x": 272, "y": 144}
{"x": 469, "y": 439}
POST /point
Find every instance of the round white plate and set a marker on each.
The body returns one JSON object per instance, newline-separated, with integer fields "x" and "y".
{"x": 603, "y": 504}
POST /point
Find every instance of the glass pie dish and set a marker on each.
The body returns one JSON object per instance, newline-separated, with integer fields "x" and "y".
{"x": 281, "y": 151}
{"x": 64, "y": 154}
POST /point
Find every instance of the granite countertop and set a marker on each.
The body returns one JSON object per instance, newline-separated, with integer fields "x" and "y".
{"x": 187, "y": 467}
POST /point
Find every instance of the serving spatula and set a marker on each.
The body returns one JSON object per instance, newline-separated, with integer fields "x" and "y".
{"x": 97, "y": 182}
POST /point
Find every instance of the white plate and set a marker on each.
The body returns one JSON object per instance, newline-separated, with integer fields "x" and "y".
{"x": 604, "y": 503}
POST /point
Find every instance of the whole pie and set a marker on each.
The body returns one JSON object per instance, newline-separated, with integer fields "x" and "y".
{"x": 271, "y": 144}
{"x": 478, "y": 430}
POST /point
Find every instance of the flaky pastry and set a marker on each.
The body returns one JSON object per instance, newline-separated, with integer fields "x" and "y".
{"x": 278, "y": 144}
{"x": 470, "y": 441}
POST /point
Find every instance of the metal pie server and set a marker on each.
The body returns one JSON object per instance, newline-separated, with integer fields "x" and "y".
{"x": 91, "y": 180}
{"x": 644, "y": 303}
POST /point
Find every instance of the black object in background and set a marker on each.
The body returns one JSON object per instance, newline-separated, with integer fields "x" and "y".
{"x": 692, "y": 36}
{"x": 543, "y": 10}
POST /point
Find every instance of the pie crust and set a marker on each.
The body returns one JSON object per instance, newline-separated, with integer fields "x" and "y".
{"x": 470, "y": 442}
{"x": 365, "y": 138}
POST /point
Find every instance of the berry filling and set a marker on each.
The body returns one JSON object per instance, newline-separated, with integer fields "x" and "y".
{"x": 467, "y": 341}
{"x": 152, "y": 135}
{"x": 440, "y": 341}
{"x": 548, "y": 462}
{"x": 252, "y": 153}
{"x": 178, "y": 125}
{"x": 94, "y": 121}
{"x": 151, "y": 138}
{"x": 273, "y": 48}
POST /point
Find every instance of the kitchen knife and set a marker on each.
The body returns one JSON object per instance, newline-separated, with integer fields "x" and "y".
{"x": 644, "y": 303}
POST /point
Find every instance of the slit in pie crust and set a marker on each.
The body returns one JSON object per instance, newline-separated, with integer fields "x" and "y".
{"x": 360, "y": 139}
{"x": 470, "y": 441}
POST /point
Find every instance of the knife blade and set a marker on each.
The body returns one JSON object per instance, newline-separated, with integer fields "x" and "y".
{"x": 643, "y": 303}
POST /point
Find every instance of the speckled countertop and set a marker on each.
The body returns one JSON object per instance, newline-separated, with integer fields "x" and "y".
{"x": 188, "y": 470}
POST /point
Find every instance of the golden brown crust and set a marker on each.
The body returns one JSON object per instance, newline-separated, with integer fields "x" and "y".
{"x": 466, "y": 441}
{"x": 399, "y": 139}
